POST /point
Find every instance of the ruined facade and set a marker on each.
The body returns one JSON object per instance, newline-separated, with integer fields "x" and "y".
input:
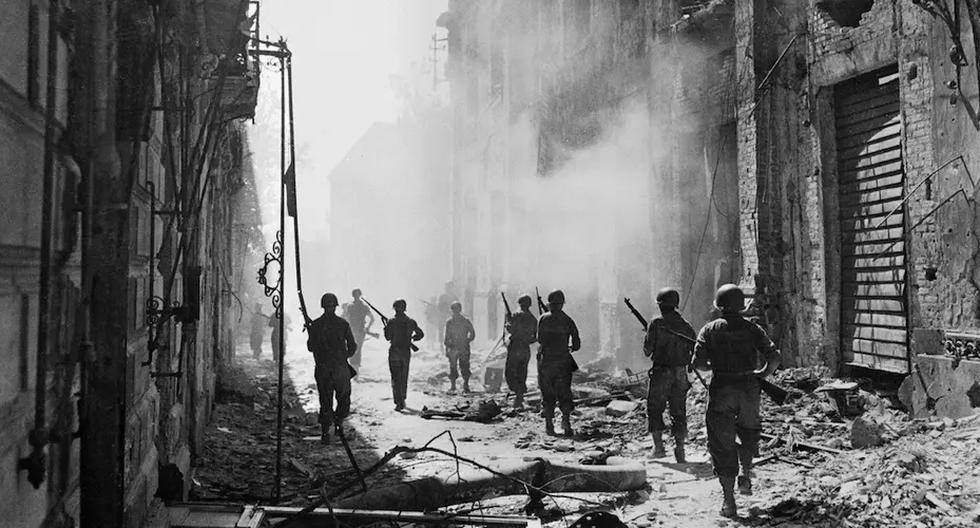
{"x": 821, "y": 154}
{"x": 124, "y": 216}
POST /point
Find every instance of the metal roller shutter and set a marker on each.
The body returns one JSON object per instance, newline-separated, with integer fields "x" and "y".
{"x": 874, "y": 309}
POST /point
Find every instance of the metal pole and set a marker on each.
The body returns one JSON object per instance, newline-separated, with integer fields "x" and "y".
{"x": 282, "y": 273}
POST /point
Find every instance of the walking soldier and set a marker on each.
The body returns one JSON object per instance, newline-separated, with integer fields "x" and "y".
{"x": 360, "y": 318}
{"x": 331, "y": 341}
{"x": 459, "y": 334}
{"x": 668, "y": 386}
{"x": 401, "y": 330}
{"x": 555, "y": 362}
{"x": 730, "y": 347}
{"x": 523, "y": 330}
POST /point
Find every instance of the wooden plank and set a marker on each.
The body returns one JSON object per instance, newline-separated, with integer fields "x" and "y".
{"x": 850, "y": 95}
{"x": 862, "y": 138}
{"x": 870, "y": 129}
{"x": 886, "y": 156}
{"x": 873, "y": 305}
{"x": 873, "y": 262}
{"x": 864, "y": 173}
{"x": 863, "y": 186}
{"x": 869, "y": 224}
{"x": 880, "y": 109}
{"x": 897, "y": 276}
{"x": 876, "y": 333}
{"x": 883, "y": 195}
{"x": 882, "y": 235}
{"x": 887, "y": 364}
{"x": 876, "y": 348}
{"x": 846, "y": 106}
{"x": 879, "y": 144}
{"x": 887, "y": 289}
{"x": 874, "y": 318}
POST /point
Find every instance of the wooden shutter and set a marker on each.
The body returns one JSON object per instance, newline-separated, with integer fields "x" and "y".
{"x": 874, "y": 308}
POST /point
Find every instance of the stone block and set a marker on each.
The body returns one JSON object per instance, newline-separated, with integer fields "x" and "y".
{"x": 619, "y": 408}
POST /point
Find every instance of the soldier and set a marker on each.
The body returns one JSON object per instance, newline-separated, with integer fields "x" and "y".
{"x": 274, "y": 337}
{"x": 523, "y": 330}
{"x": 671, "y": 355}
{"x": 459, "y": 334}
{"x": 257, "y": 330}
{"x": 331, "y": 342}
{"x": 401, "y": 330}
{"x": 355, "y": 313}
{"x": 730, "y": 347}
{"x": 555, "y": 362}
{"x": 444, "y": 307}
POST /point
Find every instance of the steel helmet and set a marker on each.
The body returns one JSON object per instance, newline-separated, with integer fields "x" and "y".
{"x": 524, "y": 300}
{"x": 556, "y": 297}
{"x": 730, "y": 298}
{"x": 456, "y": 306}
{"x": 356, "y": 292}
{"x": 399, "y": 303}
{"x": 668, "y": 298}
{"x": 328, "y": 299}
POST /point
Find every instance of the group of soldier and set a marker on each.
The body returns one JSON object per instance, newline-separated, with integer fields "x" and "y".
{"x": 730, "y": 346}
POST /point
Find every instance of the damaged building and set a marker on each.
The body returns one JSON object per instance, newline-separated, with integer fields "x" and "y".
{"x": 129, "y": 206}
{"x": 821, "y": 154}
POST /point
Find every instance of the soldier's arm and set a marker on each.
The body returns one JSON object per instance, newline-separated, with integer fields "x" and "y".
{"x": 370, "y": 315}
{"x": 470, "y": 332}
{"x": 576, "y": 341}
{"x": 351, "y": 343}
{"x": 533, "y": 330}
{"x": 388, "y": 332}
{"x": 700, "y": 358}
{"x": 445, "y": 333}
{"x": 650, "y": 338}
{"x": 416, "y": 331}
{"x": 769, "y": 352}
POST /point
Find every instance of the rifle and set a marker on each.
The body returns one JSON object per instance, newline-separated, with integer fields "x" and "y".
{"x": 542, "y": 307}
{"x": 384, "y": 321}
{"x": 777, "y": 393}
{"x": 507, "y": 318}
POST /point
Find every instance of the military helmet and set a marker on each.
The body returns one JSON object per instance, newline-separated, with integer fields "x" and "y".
{"x": 730, "y": 298}
{"x": 524, "y": 300}
{"x": 456, "y": 306}
{"x": 399, "y": 303}
{"x": 328, "y": 299}
{"x": 356, "y": 292}
{"x": 668, "y": 298}
{"x": 556, "y": 297}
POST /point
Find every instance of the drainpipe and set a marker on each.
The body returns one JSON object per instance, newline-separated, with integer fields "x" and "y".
{"x": 34, "y": 463}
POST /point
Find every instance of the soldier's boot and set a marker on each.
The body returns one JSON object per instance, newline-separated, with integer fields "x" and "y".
{"x": 658, "y": 445}
{"x": 466, "y": 385}
{"x": 519, "y": 401}
{"x": 452, "y": 385}
{"x": 566, "y": 425}
{"x": 728, "y": 508}
{"x": 549, "y": 425}
{"x": 745, "y": 479}
{"x": 324, "y": 435}
{"x": 679, "y": 450}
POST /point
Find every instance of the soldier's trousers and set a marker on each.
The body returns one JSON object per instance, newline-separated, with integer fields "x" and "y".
{"x": 398, "y": 366}
{"x": 668, "y": 388}
{"x": 459, "y": 362}
{"x": 515, "y": 369}
{"x": 255, "y": 340}
{"x": 555, "y": 382}
{"x": 733, "y": 411}
{"x": 355, "y": 360}
{"x": 332, "y": 381}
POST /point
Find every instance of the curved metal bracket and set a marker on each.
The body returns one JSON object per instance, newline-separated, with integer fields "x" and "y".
{"x": 274, "y": 290}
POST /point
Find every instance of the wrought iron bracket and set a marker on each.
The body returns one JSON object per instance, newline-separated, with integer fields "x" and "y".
{"x": 275, "y": 289}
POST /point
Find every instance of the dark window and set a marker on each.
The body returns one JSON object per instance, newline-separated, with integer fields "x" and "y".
{"x": 33, "y": 56}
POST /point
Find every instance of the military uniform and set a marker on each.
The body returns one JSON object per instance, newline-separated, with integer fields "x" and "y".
{"x": 523, "y": 330}
{"x": 555, "y": 362}
{"x": 401, "y": 330}
{"x": 332, "y": 342}
{"x": 459, "y": 333}
{"x": 357, "y": 314}
{"x": 669, "y": 383}
{"x": 257, "y": 333}
{"x": 731, "y": 346}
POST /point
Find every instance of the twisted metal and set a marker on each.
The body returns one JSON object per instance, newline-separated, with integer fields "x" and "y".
{"x": 275, "y": 290}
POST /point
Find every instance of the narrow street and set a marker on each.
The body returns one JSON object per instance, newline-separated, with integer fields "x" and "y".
{"x": 794, "y": 487}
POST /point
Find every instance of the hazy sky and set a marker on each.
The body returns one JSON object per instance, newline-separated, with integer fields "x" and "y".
{"x": 344, "y": 52}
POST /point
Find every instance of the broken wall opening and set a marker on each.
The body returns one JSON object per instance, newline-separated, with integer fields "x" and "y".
{"x": 846, "y": 13}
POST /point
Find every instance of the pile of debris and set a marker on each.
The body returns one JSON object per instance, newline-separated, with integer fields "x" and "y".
{"x": 927, "y": 479}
